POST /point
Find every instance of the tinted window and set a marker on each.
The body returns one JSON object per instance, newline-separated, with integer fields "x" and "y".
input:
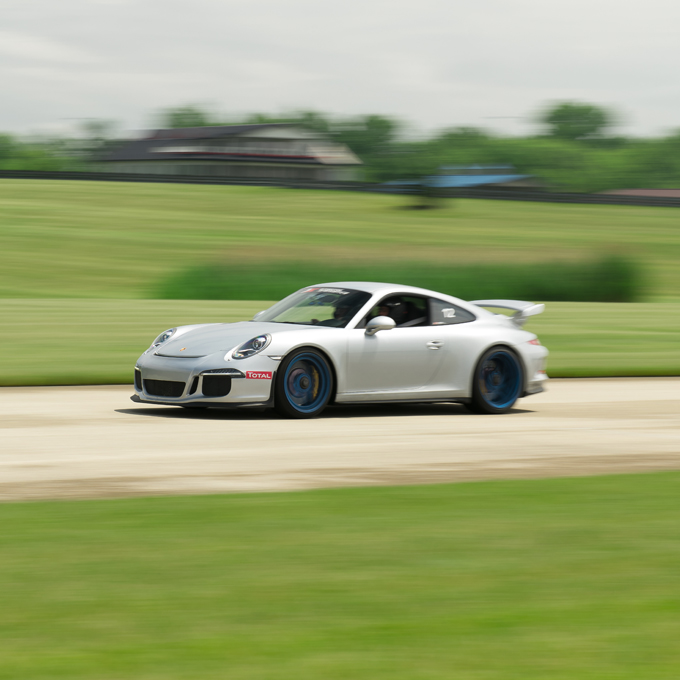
{"x": 444, "y": 313}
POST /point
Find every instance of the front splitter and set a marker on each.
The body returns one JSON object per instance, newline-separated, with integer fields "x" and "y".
{"x": 201, "y": 404}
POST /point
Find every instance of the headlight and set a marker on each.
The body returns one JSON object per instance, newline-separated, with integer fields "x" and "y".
{"x": 248, "y": 349}
{"x": 166, "y": 335}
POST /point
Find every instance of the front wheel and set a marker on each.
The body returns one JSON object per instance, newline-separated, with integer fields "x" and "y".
{"x": 303, "y": 384}
{"x": 497, "y": 381}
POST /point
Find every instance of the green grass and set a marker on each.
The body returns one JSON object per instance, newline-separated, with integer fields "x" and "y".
{"x": 594, "y": 339}
{"x": 119, "y": 240}
{"x": 521, "y": 580}
{"x": 46, "y": 342}
{"x": 118, "y": 244}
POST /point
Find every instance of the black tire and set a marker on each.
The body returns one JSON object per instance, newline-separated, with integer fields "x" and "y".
{"x": 497, "y": 381}
{"x": 304, "y": 384}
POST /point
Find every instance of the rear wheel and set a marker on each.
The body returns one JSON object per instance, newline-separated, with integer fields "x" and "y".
{"x": 497, "y": 381}
{"x": 303, "y": 384}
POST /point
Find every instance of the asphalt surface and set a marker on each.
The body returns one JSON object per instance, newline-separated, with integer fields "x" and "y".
{"x": 90, "y": 442}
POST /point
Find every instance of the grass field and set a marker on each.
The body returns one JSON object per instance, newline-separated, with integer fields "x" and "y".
{"x": 520, "y": 580}
{"x": 72, "y": 341}
{"x": 78, "y": 261}
{"x": 120, "y": 240}
{"x": 560, "y": 579}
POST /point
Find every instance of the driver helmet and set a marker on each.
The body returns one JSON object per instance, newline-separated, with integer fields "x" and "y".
{"x": 397, "y": 310}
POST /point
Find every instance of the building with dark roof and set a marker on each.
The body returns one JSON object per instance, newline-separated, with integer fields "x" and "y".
{"x": 276, "y": 151}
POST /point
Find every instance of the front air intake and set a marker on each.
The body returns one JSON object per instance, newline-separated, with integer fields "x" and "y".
{"x": 216, "y": 385}
{"x": 138, "y": 379}
{"x": 164, "y": 388}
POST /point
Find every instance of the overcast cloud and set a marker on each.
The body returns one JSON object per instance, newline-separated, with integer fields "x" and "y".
{"x": 434, "y": 63}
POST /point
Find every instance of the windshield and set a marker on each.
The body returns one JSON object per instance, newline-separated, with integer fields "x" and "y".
{"x": 318, "y": 306}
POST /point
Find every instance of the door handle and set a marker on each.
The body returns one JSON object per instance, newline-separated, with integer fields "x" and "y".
{"x": 434, "y": 344}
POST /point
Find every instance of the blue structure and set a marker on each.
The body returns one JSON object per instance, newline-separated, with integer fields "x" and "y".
{"x": 468, "y": 176}
{"x": 460, "y": 177}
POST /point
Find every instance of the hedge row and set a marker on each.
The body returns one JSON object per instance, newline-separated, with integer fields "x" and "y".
{"x": 609, "y": 279}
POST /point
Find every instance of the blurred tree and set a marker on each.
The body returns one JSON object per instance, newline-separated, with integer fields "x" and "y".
{"x": 99, "y": 130}
{"x": 99, "y": 136}
{"x": 312, "y": 120}
{"x": 185, "y": 116}
{"x": 460, "y": 135}
{"x": 8, "y": 148}
{"x": 39, "y": 154}
{"x": 263, "y": 119}
{"x": 368, "y": 136}
{"x": 574, "y": 120}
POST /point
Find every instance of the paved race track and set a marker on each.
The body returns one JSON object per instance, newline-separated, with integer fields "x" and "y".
{"x": 86, "y": 442}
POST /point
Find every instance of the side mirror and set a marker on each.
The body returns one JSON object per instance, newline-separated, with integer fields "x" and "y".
{"x": 259, "y": 314}
{"x": 379, "y": 323}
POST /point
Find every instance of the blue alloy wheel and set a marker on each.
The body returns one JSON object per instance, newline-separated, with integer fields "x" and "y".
{"x": 305, "y": 385}
{"x": 498, "y": 381}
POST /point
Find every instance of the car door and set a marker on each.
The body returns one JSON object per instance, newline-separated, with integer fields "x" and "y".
{"x": 393, "y": 363}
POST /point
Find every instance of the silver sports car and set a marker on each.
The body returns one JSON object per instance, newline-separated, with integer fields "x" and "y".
{"x": 348, "y": 343}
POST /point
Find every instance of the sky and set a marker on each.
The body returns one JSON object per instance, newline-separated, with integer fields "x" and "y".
{"x": 493, "y": 64}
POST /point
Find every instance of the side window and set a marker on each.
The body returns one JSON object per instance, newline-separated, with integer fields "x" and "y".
{"x": 444, "y": 313}
{"x": 406, "y": 310}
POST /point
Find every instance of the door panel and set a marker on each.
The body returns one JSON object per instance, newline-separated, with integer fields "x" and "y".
{"x": 395, "y": 361}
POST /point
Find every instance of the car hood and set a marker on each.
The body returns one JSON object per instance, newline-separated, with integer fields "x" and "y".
{"x": 200, "y": 341}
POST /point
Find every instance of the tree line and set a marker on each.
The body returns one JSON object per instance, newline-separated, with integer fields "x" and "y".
{"x": 575, "y": 150}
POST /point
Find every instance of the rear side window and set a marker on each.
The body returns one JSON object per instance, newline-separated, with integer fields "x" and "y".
{"x": 444, "y": 313}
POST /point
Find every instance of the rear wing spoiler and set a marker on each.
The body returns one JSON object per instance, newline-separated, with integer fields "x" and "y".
{"x": 523, "y": 310}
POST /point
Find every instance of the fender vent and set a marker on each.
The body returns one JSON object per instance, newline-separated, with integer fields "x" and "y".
{"x": 164, "y": 388}
{"x": 216, "y": 385}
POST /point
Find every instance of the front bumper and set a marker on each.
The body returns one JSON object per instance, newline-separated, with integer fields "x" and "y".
{"x": 204, "y": 381}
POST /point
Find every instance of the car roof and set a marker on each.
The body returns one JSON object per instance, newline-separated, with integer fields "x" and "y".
{"x": 374, "y": 287}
